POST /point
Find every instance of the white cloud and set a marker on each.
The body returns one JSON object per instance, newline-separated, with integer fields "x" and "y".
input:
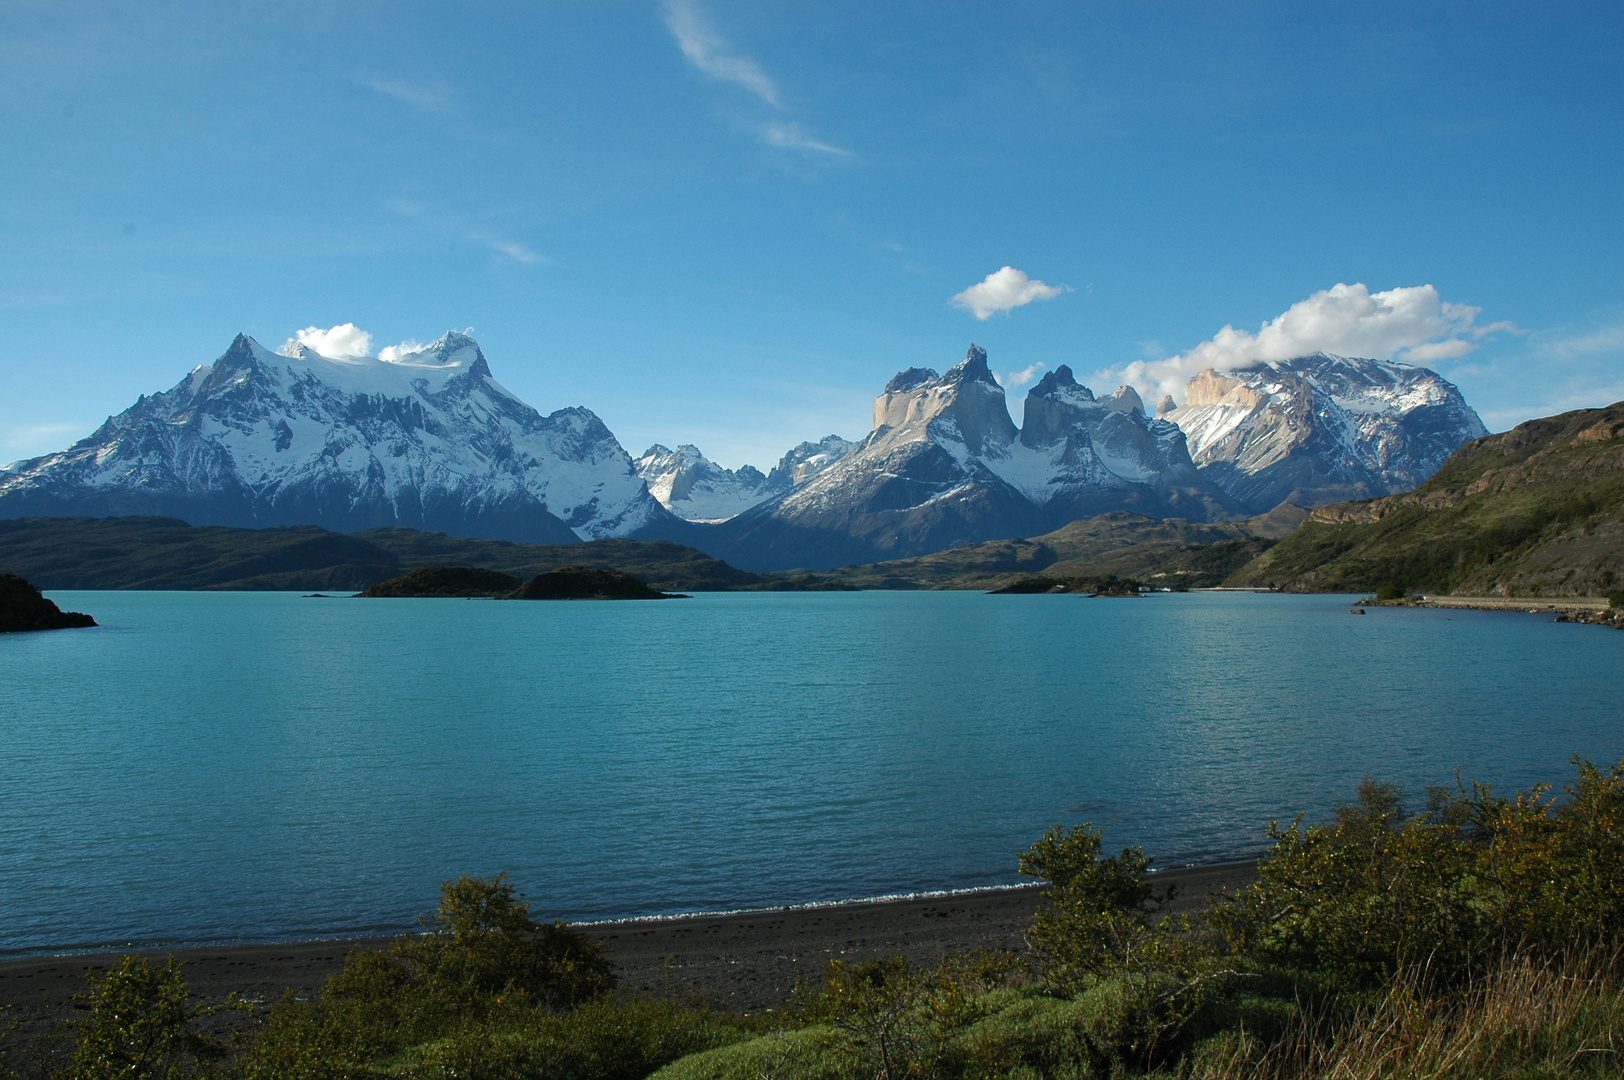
{"x": 392, "y": 353}
{"x": 709, "y": 52}
{"x": 415, "y": 96}
{"x": 338, "y": 342}
{"x": 1003, "y": 290}
{"x": 1010, "y": 380}
{"x": 517, "y": 252}
{"x": 790, "y": 136}
{"x": 1412, "y": 325}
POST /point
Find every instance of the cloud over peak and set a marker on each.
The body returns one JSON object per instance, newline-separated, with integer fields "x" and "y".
{"x": 1411, "y": 324}
{"x": 346, "y": 341}
{"x": 1003, "y": 290}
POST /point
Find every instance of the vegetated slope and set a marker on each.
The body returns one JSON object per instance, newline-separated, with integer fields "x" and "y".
{"x": 1157, "y": 551}
{"x": 167, "y": 553}
{"x": 1535, "y": 511}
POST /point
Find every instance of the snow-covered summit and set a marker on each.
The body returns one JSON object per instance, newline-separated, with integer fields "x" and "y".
{"x": 426, "y": 439}
{"x": 697, "y": 489}
{"x": 1322, "y": 428}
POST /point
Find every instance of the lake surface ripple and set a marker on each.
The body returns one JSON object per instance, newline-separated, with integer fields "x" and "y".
{"x": 259, "y": 766}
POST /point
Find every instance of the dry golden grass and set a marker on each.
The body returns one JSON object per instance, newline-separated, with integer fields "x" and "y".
{"x": 1525, "y": 1020}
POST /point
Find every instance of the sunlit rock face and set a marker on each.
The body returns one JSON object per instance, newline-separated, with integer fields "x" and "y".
{"x": 1322, "y": 429}
{"x": 945, "y": 464}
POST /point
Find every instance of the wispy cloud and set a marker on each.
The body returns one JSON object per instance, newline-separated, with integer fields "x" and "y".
{"x": 1011, "y": 380}
{"x": 791, "y": 137}
{"x": 1003, "y": 290}
{"x": 415, "y": 96}
{"x": 709, "y": 51}
{"x": 516, "y": 252}
{"x": 1411, "y": 324}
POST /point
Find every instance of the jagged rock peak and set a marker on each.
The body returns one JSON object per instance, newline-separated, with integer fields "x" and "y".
{"x": 1126, "y": 399}
{"x": 904, "y": 381}
{"x": 973, "y": 368}
{"x": 1060, "y": 381}
{"x": 1165, "y": 406}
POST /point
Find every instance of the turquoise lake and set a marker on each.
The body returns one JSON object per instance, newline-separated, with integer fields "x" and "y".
{"x": 213, "y": 767}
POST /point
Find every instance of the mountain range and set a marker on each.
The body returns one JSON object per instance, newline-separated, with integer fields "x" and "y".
{"x": 429, "y": 440}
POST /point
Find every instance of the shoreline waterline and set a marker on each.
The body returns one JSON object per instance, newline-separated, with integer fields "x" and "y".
{"x": 60, "y": 952}
{"x": 744, "y": 961}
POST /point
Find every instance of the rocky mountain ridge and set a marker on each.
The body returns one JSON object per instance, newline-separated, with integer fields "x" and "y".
{"x": 945, "y": 465}
{"x": 429, "y": 440}
{"x": 1322, "y": 428}
{"x": 693, "y": 487}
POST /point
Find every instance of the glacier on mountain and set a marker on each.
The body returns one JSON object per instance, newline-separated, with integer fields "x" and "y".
{"x": 1322, "y": 428}
{"x": 696, "y": 489}
{"x": 427, "y": 439}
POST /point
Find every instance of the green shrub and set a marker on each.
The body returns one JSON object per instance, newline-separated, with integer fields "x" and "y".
{"x": 482, "y": 944}
{"x": 607, "y": 1039}
{"x": 139, "y": 1025}
{"x": 484, "y": 967}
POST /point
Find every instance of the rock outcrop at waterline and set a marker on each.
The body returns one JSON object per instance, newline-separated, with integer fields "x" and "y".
{"x": 23, "y": 608}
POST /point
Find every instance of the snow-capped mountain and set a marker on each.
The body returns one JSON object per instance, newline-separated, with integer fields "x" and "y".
{"x": 946, "y": 465}
{"x": 696, "y": 489}
{"x": 428, "y": 439}
{"x": 1322, "y": 428}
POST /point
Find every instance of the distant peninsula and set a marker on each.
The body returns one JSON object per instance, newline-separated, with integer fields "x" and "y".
{"x": 22, "y": 608}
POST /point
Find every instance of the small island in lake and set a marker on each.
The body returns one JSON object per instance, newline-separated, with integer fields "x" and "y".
{"x": 564, "y": 583}
{"x": 22, "y": 607}
{"x": 1093, "y": 585}
{"x": 587, "y": 583}
{"x": 447, "y": 581}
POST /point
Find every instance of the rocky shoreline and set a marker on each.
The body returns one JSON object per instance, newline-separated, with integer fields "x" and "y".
{"x": 744, "y": 962}
{"x": 1591, "y": 610}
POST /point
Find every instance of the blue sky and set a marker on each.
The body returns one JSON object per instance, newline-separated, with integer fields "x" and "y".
{"x": 730, "y": 223}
